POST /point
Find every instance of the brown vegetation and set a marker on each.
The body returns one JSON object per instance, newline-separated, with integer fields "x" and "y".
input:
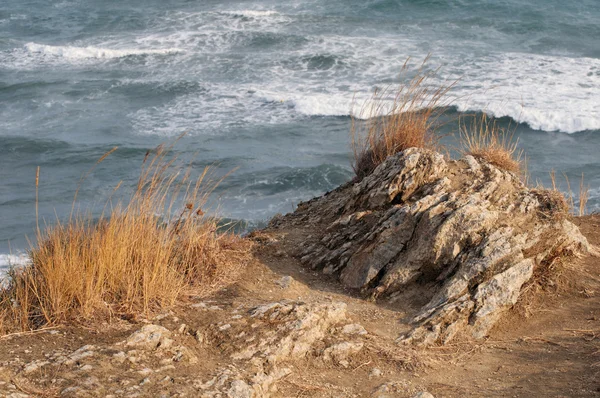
{"x": 142, "y": 257}
{"x": 397, "y": 119}
{"x": 569, "y": 197}
{"x": 485, "y": 140}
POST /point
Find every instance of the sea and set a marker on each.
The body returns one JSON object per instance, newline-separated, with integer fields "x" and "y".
{"x": 264, "y": 91}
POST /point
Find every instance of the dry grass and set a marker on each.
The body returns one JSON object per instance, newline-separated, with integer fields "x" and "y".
{"x": 584, "y": 195}
{"x": 144, "y": 256}
{"x": 569, "y": 196}
{"x": 485, "y": 140}
{"x": 397, "y": 119}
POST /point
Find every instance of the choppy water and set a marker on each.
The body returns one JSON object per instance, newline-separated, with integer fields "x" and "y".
{"x": 267, "y": 87}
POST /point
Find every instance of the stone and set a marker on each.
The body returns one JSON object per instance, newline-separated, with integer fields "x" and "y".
{"x": 375, "y": 372}
{"x": 150, "y": 337}
{"x": 82, "y": 353}
{"x": 35, "y": 365}
{"x": 341, "y": 351}
{"x": 239, "y": 389}
{"x": 354, "y": 329}
{"x": 423, "y": 394}
{"x": 285, "y": 282}
{"x": 301, "y": 325}
{"x": 464, "y": 233}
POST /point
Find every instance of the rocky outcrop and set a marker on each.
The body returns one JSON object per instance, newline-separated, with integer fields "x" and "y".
{"x": 257, "y": 347}
{"x": 465, "y": 235}
{"x": 275, "y": 334}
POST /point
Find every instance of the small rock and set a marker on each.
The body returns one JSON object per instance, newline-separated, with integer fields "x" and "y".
{"x": 145, "y": 371}
{"x": 86, "y": 368}
{"x": 167, "y": 380}
{"x": 120, "y": 357}
{"x": 182, "y": 328}
{"x": 35, "y": 365}
{"x": 340, "y": 352}
{"x": 70, "y": 390}
{"x": 375, "y": 373}
{"x": 239, "y": 389}
{"x": 81, "y": 353}
{"x": 285, "y": 282}
{"x": 150, "y": 337}
{"x": 224, "y": 327}
{"x": 162, "y": 316}
{"x": 423, "y": 394}
{"x": 354, "y": 329}
{"x": 145, "y": 381}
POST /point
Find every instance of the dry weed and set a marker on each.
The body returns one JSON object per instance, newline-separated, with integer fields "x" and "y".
{"x": 485, "y": 140}
{"x": 396, "y": 119}
{"x": 142, "y": 257}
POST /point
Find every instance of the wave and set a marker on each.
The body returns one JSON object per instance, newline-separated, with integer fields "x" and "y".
{"x": 252, "y": 13}
{"x": 549, "y": 93}
{"x": 12, "y": 260}
{"x": 89, "y": 52}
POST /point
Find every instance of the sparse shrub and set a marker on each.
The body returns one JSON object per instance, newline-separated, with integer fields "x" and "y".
{"x": 142, "y": 257}
{"x": 395, "y": 119}
{"x": 485, "y": 140}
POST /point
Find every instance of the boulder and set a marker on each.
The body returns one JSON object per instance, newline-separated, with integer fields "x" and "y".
{"x": 462, "y": 235}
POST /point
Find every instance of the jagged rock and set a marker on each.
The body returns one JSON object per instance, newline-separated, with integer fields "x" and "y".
{"x": 285, "y": 282}
{"x": 376, "y": 372}
{"x": 34, "y": 365}
{"x": 341, "y": 351}
{"x": 82, "y": 353}
{"x": 272, "y": 334}
{"x": 464, "y": 234}
{"x": 230, "y": 382}
{"x": 299, "y": 327}
{"x": 150, "y": 337}
{"x": 354, "y": 328}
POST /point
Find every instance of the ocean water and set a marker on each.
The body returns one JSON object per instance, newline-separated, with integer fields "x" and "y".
{"x": 265, "y": 88}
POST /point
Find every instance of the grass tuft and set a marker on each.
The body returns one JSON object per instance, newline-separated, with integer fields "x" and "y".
{"x": 145, "y": 256}
{"x": 395, "y": 119}
{"x": 485, "y": 140}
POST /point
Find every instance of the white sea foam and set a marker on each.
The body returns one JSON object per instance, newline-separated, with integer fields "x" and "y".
{"x": 253, "y": 13}
{"x": 11, "y": 260}
{"x": 550, "y": 93}
{"x": 325, "y": 74}
{"x": 79, "y": 53}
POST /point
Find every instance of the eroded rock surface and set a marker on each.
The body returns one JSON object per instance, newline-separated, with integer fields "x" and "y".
{"x": 256, "y": 345}
{"x": 274, "y": 334}
{"x": 464, "y": 234}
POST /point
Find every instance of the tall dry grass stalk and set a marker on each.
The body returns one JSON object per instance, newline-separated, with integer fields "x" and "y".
{"x": 584, "y": 195}
{"x": 395, "y": 119}
{"x": 142, "y": 257}
{"x": 569, "y": 196}
{"x": 484, "y": 139}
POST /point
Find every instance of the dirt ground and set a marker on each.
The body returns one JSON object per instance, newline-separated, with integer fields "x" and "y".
{"x": 548, "y": 346}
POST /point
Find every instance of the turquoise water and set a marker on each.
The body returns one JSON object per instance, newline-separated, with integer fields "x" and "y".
{"x": 266, "y": 88}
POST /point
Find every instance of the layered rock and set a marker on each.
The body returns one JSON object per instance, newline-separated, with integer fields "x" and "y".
{"x": 465, "y": 233}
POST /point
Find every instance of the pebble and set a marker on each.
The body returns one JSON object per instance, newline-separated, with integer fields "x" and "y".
{"x": 375, "y": 373}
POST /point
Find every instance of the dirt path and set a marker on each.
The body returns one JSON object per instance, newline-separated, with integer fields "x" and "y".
{"x": 547, "y": 347}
